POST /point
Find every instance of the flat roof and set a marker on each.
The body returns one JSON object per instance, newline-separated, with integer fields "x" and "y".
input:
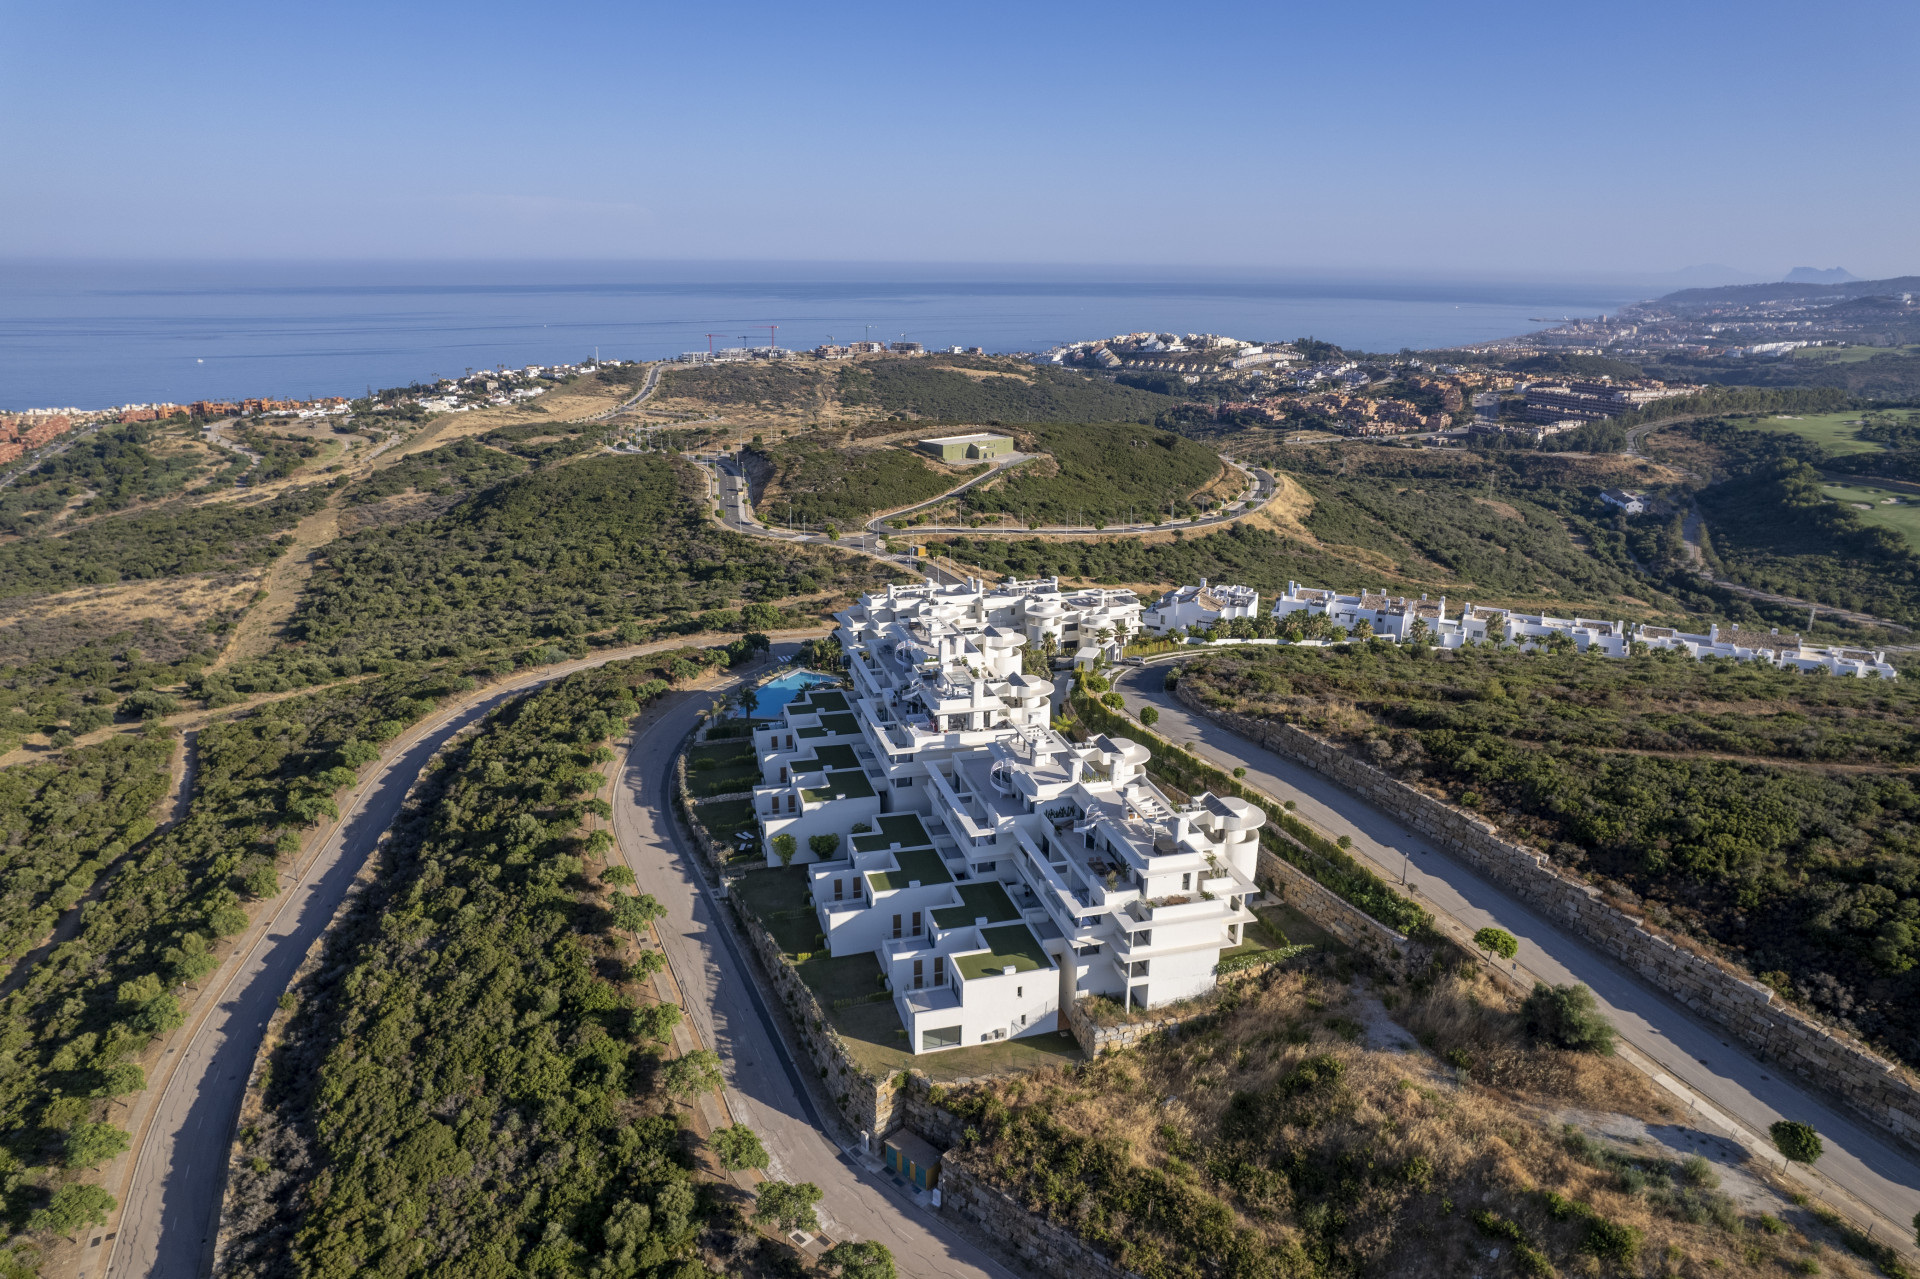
{"x": 848, "y": 783}
{"x": 819, "y": 700}
{"x": 922, "y": 864}
{"x": 987, "y": 900}
{"x": 1008, "y": 946}
{"x": 903, "y": 829}
{"x": 833, "y": 755}
{"x": 973, "y": 438}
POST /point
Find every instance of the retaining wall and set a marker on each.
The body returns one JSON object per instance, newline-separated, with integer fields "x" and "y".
{"x": 1869, "y": 1084}
{"x": 872, "y": 1106}
{"x": 1346, "y": 921}
{"x": 1042, "y": 1247}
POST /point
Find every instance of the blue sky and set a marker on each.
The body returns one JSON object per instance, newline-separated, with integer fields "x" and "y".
{"x": 1489, "y": 138}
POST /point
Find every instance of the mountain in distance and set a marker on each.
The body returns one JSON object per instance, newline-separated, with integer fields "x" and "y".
{"x": 1815, "y": 275}
{"x": 1757, "y": 293}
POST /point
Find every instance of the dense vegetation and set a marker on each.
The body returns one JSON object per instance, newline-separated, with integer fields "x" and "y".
{"x": 931, "y": 388}
{"x": 548, "y": 557}
{"x": 1771, "y": 526}
{"x": 1264, "y": 1142}
{"x": 802, "y": 481}
{"x": 472, "y": 1085}
{"x": 66, "y": 820}
{"x": 1704, "y": 793}
{"x": 161, "y": 543}
{"x": 280, "y": 455}
{"x": 81, "y": 687}
{"x": 762, "y": 385}
{"x": 462, "y": 466}
{"x": 117, "y": 466}
{"x": 1101, "y": 474}
{"x": 70, "y": 1033}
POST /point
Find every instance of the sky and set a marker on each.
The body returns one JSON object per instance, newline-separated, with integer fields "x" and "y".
{"x": 1495, "y": 139}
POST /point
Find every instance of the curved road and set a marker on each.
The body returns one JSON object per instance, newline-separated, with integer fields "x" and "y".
{"x": 170, "y": 1184}
{"x": 1864, "y": 1166}
{"x": 764, "y": 1086}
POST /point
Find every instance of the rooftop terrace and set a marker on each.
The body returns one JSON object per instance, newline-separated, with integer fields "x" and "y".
{"x": 988, "y": 901}
{"x": 903, "y": 829}
{"x": 1009, "y": 946}
{"x": 921, "y": 864}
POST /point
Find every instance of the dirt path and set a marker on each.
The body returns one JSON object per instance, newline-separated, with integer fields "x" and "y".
{"x": 267, "y": 620}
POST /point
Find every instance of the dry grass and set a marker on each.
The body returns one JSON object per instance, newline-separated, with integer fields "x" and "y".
{"x": 1381, "y": 1171}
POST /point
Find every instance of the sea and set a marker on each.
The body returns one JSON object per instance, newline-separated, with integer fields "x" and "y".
{"x": 100, "y": 334}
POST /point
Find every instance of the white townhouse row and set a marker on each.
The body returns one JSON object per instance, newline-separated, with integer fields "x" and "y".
{"x": 995, "y": 870}
{"x": 1396, "y": 618}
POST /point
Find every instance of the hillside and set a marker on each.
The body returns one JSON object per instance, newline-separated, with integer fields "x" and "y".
{"x": 1767, "y": 813}
{"x": 806, "y": 480}
{"x": 1311, "y": 1127}
{"x": 1105, "y": 473}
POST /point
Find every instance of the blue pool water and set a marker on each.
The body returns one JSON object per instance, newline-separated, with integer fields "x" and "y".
{"x": 772, "y": 695}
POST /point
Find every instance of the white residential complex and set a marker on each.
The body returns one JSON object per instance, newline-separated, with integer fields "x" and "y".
{"x": 1396, "y": 618}
{"x": 1201, "y": 605}
{"x": 995, "y": 869}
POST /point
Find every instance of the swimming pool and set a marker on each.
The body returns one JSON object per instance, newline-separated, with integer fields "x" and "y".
{"x": 772, "y": 695}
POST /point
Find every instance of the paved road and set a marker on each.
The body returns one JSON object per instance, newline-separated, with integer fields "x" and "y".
{"x": 764, "y": 1088}
{"x": 170, "y": 1185}
{"x": 1859, "y": 1161}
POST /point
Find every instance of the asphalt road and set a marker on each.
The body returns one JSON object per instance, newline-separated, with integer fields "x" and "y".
{"x": 763, "y": 1085}
{"x": 1871, "y": 1169}
{"x": 170, "y": 1186}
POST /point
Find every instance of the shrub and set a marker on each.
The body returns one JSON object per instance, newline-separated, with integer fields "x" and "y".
{"x": 1611, "y": 1241}
{"x": 90, "y": 1145}
{"x": 738, "y": 1148}
{"x": 655, "y": 1021}
{"x": 1565, "y": 1017}
{"x": 823, "y": 846}
{"x": 784, "y": 847}
{"x": 646, "y": 964}
{"x": 1113, "y": 700}
{"x": 1797, "y": 1141}
{"x": 1149, "y": 716}
{"x": 616, "y": 876}
{"x": 1497, "y": 941}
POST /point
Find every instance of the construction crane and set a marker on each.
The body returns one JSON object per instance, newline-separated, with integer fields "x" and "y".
{"x": 710, "y": 338}
{"x": 773, "y": 334}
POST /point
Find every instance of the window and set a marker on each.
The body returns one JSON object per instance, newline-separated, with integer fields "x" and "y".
{"x": 1020, "y": 992}
{"x": 939, "y": 970}
{"x": 783, "y": 774}
{"x": 789, "y": 741}
{"x": 839, "y": 890}
{"x": 919, "y": 979}
{"x": 947, "y": 1037}
{"x": 896, "y": 925}
{"x": 985, "y": 867}
{"x": 1186, "y": 881}
{"x": 916, "y": 923}
{"x": 1023, "y": 1019}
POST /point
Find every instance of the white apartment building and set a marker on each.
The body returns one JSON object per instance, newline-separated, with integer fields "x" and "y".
{"x": 1201, "y": 605}
{"x": 995, "y": 869}
{"x": 1771, "y": 647}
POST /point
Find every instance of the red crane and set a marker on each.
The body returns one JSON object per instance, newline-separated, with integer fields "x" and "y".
{"x": 710, "y": 338}
{"x": 773, "y": 334}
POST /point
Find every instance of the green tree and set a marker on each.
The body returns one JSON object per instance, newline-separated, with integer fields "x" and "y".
{"x": 823, "y": 846}
{"x": 73, "y": 1206}
{"x": 1497, "y": 941}
{"x": 1149, "y": 716}
{"x": 616, "y": 876}
{"x": 784, "y": 847}
{"x": 1566, "y": 1017}
{"x": 739, "y": 1147}
{"x": 646, "y": 964}
{"x": 863, "y": 1259}
{"x": 695, "y": 1073}
{"x": 788, "y": 1205}
{"x": 1797, "y": 1141}
{"x": 655, "y": 1021}
{"x": 633, "y": 914}
{"x": 92, "y": 1144}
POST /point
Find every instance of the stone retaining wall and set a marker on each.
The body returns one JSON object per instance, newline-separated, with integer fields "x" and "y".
{"x": 1346, "y": 921}
{"x": 1042, "y": 1247}
{"x": 872, "y": 1106}
{"x": 1095, "y": 1039}
{"x": 1868, "y": 1083}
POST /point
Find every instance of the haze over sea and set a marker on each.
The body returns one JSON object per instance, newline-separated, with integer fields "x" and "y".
{"x": 95, "y": 334}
